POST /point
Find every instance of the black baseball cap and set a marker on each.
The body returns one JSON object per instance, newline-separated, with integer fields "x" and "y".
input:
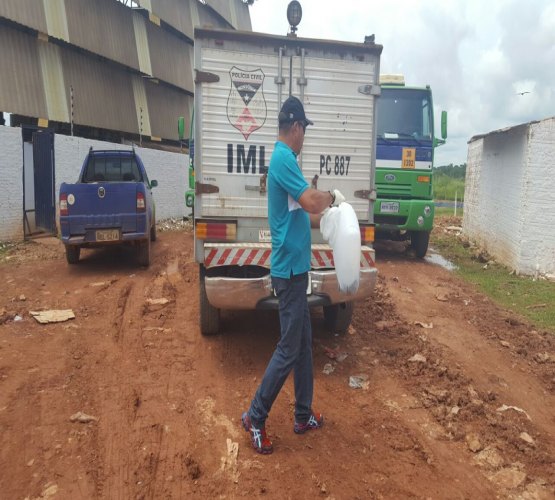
{"x": 293, "y": 111}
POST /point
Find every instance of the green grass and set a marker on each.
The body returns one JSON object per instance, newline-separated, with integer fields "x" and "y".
{"x": 534, "y": 300}
{"x": 445, "y": 188}
{"x": 442, "y": 211}
{"x": 4, "y": 249}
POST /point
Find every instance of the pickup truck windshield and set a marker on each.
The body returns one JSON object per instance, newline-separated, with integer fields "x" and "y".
{"x": 112, "y": 169}
{"x": 405, "y": 113}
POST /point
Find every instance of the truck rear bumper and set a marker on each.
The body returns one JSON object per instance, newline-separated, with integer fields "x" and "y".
{"x": 256, "y": 293}
{"x": 82, "y": 240}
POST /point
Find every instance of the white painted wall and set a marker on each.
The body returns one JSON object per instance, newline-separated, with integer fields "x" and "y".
{"x": 11, "y": 183}
{"x": 169, "y": 169}
{"x": 538, "y": 201}
{"x": 509, "y": 193}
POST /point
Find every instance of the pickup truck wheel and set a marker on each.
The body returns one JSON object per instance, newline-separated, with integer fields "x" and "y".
{"x": 337, "y": 317}
{"x": 153, "y": 232}
{"x": 419, "y": 242}
{"x": 72, "y": 254}
{"x": 143, "y": 253}
{"x": 209, "y": 315}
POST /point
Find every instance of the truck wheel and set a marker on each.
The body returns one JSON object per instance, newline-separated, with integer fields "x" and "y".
{"x": 337, "y": 317}
{"x": 143, "y": 253}
{"x": 209, "y": 315}
{"x": 419, "y": 242}
{"x": 153, "y": 232}
{"x": 72, "y": 254}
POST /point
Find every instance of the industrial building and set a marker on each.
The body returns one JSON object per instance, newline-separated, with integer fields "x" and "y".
{"x": 113, "y": 70}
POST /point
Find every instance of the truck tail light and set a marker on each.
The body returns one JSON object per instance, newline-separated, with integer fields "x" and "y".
{"x": 141, "y": 202}
{"x": 220, "y": 231}
{"x": 63, "y": 204}
{"x": 423, "y": 178}
{"x": 367, "y": 234}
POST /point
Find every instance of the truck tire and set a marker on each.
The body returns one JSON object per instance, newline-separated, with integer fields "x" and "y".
{"x": 419, "y": 242}
{"x": 209, "y": 315}
{"x": 143, "y": 253}
{"x": 153, "y": 232}
{"x": 72, "y": 254}
{"x": 337, "y": 317}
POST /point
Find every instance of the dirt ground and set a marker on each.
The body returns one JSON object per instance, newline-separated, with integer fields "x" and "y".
{"x": 457, "y": 397}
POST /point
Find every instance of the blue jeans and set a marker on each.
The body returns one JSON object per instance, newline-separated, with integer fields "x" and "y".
{"x": 293, "y": 352}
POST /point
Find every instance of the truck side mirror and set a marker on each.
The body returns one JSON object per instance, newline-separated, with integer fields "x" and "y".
{"x": 444, "y": 125}
{"x": 153, "y": 183}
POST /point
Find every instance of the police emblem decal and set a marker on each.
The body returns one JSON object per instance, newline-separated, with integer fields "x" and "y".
{"x": 246, "y": 106}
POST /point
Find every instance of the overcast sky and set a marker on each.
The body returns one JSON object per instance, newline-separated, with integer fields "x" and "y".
{"x": 477, "y": 56}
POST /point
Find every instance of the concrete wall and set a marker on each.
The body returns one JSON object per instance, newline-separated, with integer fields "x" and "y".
{"x": 169, "y": 169}
{"x": 11, "y": 183}
{"x": 509, "y": 190}
{"x": 538, "y": 201}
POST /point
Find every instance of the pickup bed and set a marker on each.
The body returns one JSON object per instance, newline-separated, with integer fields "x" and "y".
{"x": 110, "y": 204}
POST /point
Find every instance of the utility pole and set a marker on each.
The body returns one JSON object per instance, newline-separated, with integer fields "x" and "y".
{"x": 71, "y": 108}
{"x": 141, "y": 127}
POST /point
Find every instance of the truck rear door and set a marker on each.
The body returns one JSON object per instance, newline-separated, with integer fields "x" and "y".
{"x": 242, "y": 80}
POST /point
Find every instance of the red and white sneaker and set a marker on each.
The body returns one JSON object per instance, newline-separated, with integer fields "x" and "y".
{"x": 315, "y": 421}
{"x": 259, "y": 439}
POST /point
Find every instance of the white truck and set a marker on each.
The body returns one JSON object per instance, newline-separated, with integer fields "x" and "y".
{"x": 241, "y": 80}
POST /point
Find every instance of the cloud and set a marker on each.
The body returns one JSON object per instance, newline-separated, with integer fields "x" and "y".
{"x": 477, "y": 57}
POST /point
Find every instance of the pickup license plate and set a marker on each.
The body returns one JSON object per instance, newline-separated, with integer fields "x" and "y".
{"x": 389, "y": 207}
{"x": 107, "y": 235}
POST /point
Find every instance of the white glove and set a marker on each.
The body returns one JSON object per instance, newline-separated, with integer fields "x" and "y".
{"x": 338, "y": 198}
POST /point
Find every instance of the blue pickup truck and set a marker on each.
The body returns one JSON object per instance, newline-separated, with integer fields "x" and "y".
{"x": 110, "y": 204}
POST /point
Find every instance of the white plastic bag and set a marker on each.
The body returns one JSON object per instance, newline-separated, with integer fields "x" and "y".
{"x": 339, "y": 227}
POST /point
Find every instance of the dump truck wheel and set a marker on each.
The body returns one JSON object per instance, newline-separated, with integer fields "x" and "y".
{"x": 72, "y": 254}
{"x": 153, "y": 232}
{"x": 337, "y": 317}
{"x": 209, "y": 315}
{"x": 419, "y": 242}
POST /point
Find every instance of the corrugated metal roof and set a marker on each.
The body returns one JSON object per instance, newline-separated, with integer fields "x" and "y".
{"x": 22, "y": 88}
{"x": 53, "y": 80}
{"x": 235, "y": 12}
{"x": 170, "y": 58}
{"x": 103, "y": 93}
{"x": 37, "y": 72}
{"x": 179, "y": 14}
{"x": 141, "y": 39}
{"x": 104, "y": 27}
{"x": 56, "y": 19}
{"x": 27, "y": 12}
{"x": 165, "y": 106}
{"x": 505, "y": 129}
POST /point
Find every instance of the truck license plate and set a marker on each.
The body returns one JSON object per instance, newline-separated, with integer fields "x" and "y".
{"x": 389, "y": 207}
{"x": 107, "y": 235}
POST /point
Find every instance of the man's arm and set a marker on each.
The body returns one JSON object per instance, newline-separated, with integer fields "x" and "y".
{"x": 315, "y": 201}
{"x": 315, "y": 220}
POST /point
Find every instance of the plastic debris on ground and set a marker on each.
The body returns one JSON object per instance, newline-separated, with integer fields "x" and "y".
{"x": 359, "y": 381}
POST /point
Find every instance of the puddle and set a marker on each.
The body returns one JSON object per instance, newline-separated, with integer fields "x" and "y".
{"x": 439, "y": 260}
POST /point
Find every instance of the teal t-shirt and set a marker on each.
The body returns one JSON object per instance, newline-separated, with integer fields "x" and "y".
{"x": 289, "y": 223}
